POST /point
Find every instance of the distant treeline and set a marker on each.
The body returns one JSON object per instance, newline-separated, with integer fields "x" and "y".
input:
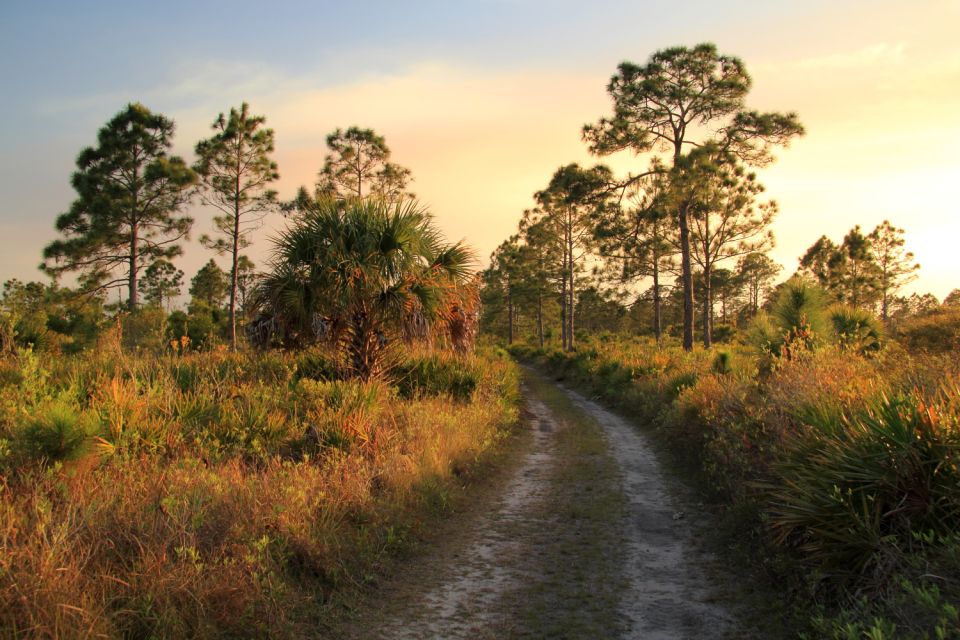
{"x": 128, "y": 225}
{"x": 679, "y": 247}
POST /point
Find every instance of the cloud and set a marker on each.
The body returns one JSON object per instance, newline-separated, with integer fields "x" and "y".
{"x": 871, "y": 56}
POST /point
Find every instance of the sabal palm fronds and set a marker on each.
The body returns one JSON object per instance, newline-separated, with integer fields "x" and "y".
{"x": 368, "y": 268}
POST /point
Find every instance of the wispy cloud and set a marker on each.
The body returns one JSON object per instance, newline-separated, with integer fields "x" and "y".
{"x": 882, "y": 53}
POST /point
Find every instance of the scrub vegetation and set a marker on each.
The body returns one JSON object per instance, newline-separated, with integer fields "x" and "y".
{"x": 240, "y": 463}
{"x": 822, "y": 413}
{"x": 220, "y": 494}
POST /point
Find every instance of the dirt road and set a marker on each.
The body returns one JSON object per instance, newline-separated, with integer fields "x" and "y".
{"x": 586, "y": 538}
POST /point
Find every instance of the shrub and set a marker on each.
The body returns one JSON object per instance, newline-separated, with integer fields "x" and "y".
{"x": 937, "y": 331}
{"x": 724, "y": 333}
{"x": 436, "y": 374}
{"x": 801, "y": 305}
{"x": 144, "y": 329}
{"x": 723, "y": 362}
{"x": 798, "y": 319}
{"x": 826, "y": 382}
{"x": 58, "y": 432}
{"x": 345, "y": 412}
{"x": 855, "y": 491}
{"x": 315, "y": 365}
{"x": 674, "y": 385}
{"x": 856, "y": 329}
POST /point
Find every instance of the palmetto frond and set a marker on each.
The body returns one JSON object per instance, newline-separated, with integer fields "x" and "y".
{"x": 373, "y": 267}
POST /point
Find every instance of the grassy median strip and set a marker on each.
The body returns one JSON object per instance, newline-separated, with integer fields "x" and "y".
{"x": 574, "y": 589}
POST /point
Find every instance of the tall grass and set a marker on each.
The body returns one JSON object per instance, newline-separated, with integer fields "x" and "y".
{"x": 217, "y": 495}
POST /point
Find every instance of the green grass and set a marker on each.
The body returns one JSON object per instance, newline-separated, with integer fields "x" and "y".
{"x": 577, "y": 593}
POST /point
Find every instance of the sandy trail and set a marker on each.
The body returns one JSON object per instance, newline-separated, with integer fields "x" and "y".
{"x": 668, "y": 594}
{"x": 465, "y": 599}
{"x": 482, "y": 583}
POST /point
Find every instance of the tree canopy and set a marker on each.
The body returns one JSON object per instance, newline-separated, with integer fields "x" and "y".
{"x": 127, "y": 212}
{"x": 359, "y": 166}
{"x": 686, "y": 98}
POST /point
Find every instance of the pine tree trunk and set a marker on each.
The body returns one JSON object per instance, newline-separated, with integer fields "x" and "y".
{"x": 563, "y": 315}
{"x": 509, "y": 314}
{"x": 657, "y": 322}
{"x": 540, "y": 317}
{"x": 563, "y": 299}
{"x": 132, "y": 279}
{"x": 134, "y": 244}
{"x": 686, "y": 277}
{"x": 707, "y": 305}
{"x": 570, "y": 315}
{"x": 233, "y": 271}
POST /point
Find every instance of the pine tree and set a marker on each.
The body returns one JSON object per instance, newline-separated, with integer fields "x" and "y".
{"x": 639, "y": 240}
{"x": 539, "y": 269}
{"x": 236, "y": 170}
{"x": 896, "y": 266}
{"x": 726, "y": 221}
{"x": 756, "y": 271}
{"x": 820, "y": 262}
{"x": 568, "y": 208}
{"x": 727, "y": 287}
{"x": 857, "y": 270}
{"x": 210, "y": 286}
{"x": 246, "y": 277}
{"x": 659, "y": 106}
{"x": 849, "y": 271}
{"x": 162, "y": 281}
{"x": 126, "y": 215}
{"x": 359, "y": 166}
{"x": 503, "y": 278}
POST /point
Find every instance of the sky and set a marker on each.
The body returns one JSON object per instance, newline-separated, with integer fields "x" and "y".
{"x": 484, "y": 99}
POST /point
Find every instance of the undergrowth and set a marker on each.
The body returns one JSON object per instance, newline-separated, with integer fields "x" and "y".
{"x": 223, "y": 495}
{"x": 837, "y": 466}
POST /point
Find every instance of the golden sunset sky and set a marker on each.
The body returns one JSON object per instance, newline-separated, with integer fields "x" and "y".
{"x": 484, "y": 99}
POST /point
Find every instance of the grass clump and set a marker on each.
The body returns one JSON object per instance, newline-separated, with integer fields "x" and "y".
{"x": 436, "y": 374}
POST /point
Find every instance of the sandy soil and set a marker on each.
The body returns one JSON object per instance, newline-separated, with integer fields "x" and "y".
{"x": 585, "y": 538}
{"x": 669, "y": 595}
{"x": 461, "y": 593}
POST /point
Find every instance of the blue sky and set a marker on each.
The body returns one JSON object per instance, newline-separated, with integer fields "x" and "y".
{"x": 483, "y": 99}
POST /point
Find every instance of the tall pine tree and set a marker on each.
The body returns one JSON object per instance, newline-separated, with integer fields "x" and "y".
{"x": 236, "y": 170}
{"x": 358, "y": 166}
{"x": 663, "y": 106}
{"x": 895, "y": 264}
{"x": 568, "y": 209}
{"x": 127, "y": 211}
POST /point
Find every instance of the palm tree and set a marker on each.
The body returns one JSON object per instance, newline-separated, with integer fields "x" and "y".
{"x": 359, "y": 273}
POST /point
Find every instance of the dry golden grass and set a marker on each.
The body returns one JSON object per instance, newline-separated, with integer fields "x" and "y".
{"x": 218, "y": 496}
